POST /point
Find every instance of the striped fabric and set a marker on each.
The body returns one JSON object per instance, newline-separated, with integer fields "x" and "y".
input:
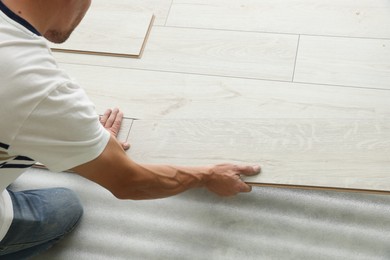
{"x": 13, "y": 162}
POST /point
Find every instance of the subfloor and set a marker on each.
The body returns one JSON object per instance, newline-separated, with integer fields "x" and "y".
{"x": 220, "y": 63}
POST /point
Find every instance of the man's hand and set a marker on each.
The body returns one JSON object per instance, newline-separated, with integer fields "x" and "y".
{"x": 225, "y": 179}
{"x": 112, "y": 121}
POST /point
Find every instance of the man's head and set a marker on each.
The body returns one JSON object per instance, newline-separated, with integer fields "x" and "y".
{"x": 54, "y": 19}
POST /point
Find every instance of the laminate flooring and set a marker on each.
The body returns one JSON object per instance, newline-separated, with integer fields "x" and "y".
{"x": 305, "y": 85}
{"x": 346, "y": 18}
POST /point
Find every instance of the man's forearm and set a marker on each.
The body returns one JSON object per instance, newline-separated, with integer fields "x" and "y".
{"x": 126, "y": 179}
{"x": 159, "y": 181}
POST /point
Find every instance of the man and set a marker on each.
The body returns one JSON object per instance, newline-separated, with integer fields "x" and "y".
{"x": 46, "y": 117}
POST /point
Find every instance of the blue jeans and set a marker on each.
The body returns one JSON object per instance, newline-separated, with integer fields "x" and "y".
{"x": 41, "y": 218}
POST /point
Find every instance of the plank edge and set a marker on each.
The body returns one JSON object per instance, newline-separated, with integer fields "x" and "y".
{"x": 323, "y": 188}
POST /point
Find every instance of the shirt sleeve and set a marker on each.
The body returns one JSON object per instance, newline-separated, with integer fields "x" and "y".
{"x": 63, "y": 131}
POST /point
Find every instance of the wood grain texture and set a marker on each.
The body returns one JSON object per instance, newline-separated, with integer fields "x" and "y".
{"x": 344, "y": 61}
{"x": 159, "y": 8}
{"x": 235, "y": 54}
{"x": 342, "y": 154}
{"x": 158, "y": 95}
{"x": 99, "y": 33}
{"x": 357, "y": 18}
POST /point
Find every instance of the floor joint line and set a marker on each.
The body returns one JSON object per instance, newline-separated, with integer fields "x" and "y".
{"x": 232, "y": 77}
{"x": 296, "y": 58}
{"x": 169, "y": 12}
{"x": 281, "y": 33}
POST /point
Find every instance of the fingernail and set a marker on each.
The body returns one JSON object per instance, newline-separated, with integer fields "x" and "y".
{"x": 256, "y": 168}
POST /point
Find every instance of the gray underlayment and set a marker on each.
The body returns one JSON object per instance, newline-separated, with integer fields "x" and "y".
{"x": 268, "y": 223}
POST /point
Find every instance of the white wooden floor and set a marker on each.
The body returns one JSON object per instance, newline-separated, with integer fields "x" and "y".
{"x": 301, "y": 87}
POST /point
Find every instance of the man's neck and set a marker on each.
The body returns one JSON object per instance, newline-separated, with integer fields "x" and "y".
{"x": 31, "y": 11}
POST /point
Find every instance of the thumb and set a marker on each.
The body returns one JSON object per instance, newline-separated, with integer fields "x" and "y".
{"x": 125, "y": 146}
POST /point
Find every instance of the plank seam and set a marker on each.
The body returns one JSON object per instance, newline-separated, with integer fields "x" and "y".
{"x": 325, "y": 188}
{"x": 296, "y": 58}
{"x": 225, "y": 76}
{"x": 169, "y": 12}
{"x": 281, "y": 33}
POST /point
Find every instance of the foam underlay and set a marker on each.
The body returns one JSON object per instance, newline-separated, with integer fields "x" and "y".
{"x": 268, "y": 223}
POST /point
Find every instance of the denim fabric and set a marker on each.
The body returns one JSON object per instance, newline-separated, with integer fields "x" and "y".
{"x": 41, "y": 218}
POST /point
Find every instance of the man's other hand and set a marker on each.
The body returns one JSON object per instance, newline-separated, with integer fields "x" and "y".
{"x": 112, "y": 121}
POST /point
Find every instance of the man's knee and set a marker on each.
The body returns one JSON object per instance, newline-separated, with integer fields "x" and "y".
{"x": 41, "y": 217}
{"x": 66, "y": 206}
{"x": 57, "y": 210}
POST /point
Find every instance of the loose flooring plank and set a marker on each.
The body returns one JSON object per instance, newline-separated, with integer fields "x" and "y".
{"x": 160, "y": 8}
{"x": 357, "y": 18}
{"x": 123, "y": 136}
{"x": 161, "y": 95}
{"x": 344, "y": 61}
{"x": 236, "y": 54}
{"x": 338, "y": 153}
{"x": 99, "y": 33}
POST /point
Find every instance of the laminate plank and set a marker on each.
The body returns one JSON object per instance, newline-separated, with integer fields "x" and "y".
{"x": 159, "y": 8}
{"x": 99, "y": 33}
{"x": 236, "y": 54}
{"x": 344, "y": 61}
{"x": 323, "y": 153}
{"x": 162, "y": 95}
{"x": 356, "y": 18}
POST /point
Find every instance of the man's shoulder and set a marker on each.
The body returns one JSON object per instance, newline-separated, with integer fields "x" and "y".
{"x": 28, "y": 73}
{"x": 27, "y": 62}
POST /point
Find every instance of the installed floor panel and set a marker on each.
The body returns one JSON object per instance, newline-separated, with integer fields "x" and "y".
{"x": 235, "y": 54}
{"x": 268, "y": 223}
{"x": 160, "y": 8}
{"x": 344, "y": 61}
{"x": 356, "y": 18}
{"x": 156, "y": 95}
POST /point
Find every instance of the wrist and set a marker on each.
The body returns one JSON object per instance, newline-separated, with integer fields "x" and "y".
{"x": 207, "y": 174}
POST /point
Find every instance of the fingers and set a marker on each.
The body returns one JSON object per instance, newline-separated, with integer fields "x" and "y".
{"x": 112, "y": 117}
{"x": 115, "y": 119}
{"x": 238, "y": 187}
{"x": 103, "y": 118}
{"x": 226, "y": 179}
{"x": 245, "y": 187}
{"x": 242, "y": 186}
{"x": 112, "y": 120}
{"x": 125, "y": 146}
{"x": 248, "y": 170}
